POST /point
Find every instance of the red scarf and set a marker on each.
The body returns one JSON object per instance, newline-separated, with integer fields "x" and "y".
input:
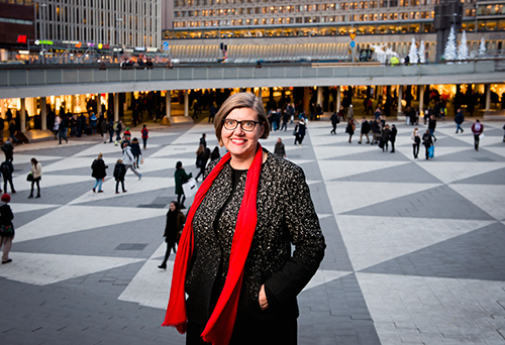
{"x": 220, "y": 325}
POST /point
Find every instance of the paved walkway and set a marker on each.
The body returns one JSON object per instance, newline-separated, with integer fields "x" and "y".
{"x": 415, "y": 248}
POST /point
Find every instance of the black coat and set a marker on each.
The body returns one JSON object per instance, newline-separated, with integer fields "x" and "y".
{"x": 119, "y": 171}
{"x": 365, "y": 127}
{"x": 6, "y": 216}
{"x": 286, "y": 216}
{"x": 98, "y": 168}
{"x": 135, "y": 149}
{"x": 173, "y": 228}
{"x": 427, "y": 140}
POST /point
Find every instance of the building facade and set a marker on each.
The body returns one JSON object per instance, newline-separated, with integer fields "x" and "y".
{"x": 126, "y": 23}
{"x": 17, "y": 26}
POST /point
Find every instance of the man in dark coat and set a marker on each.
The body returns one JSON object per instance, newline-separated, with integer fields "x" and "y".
{"x": 203, "y": 141}
{"x": 365, "y": 128}
{"x": 392, "y": 137}
{"x": 459, "y": 120}
{"x": 432, "y": 124}
{"x": 334, "y": 122}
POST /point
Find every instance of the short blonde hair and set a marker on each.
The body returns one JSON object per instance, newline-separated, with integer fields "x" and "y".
{"x": 241, "y": 100}
{"x": 100, "y": 155}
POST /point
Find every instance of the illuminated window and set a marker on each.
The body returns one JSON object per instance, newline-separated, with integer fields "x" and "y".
{"x": 263, "y": 21}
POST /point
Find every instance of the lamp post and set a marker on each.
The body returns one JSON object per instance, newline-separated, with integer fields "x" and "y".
{"x": 117, "y": 35}
{"x": 43, "y": 9}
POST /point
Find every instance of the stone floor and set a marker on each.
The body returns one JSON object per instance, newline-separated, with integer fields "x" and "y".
{"x": 415, "y": 248}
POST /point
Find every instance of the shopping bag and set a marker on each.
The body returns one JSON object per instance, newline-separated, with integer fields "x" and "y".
{"x": 189, "y": 188}
{"x": 431, "y": 151}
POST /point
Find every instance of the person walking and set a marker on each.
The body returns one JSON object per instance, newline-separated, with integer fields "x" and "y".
{"x": 118, "y": 127}
{"x": 385, "y": 138}
{"x": 62, "y": 130}
{"x": 477, "y": 129}
{"x": 202, "y": 161}
{"x": 8, "y": 150}
{"x": 280, "y": 150}
{"x": 215, "y": 154}
{"x": 103, "y": 130}
{"x": 459, "y": 120}
{"x": 365, "y": 129}
{"x": 234, "y": 260}
{"x": 6, "y": 168}
{"x": 285, "y": 119}
{"x": 427, "y": 142}
{"x": 98, "y": 168}
{"x": 203, "y": 141}
{"x": 145, "y": 135}
{"x": 300, "y": 131}
{"x": 110, "y": 128}
{"x": 180, "y": 178}
{"x": 334, "y": 122}
{"x": 432, "y": 124}
{"x": 128, "y": 159}
{"x": 92, "y": 122}
{"x": 350, "y": 112}
{"x": 351, "y": 126}
{"x": 416, "y": 141}
{"x": 6, "y": 227}
{"x": 36, "y": 171}
{"x": 119, "y": 175}
{"x": 173, "y": 230}
{"x": 136, "y": 152}
{"x": 392, "y": 137}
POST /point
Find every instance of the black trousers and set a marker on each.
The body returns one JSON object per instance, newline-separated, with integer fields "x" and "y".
{"x": 37, "y": 181}
{"x": 476, "y": 139}
{"x": 334, "y": 130}
{"x": 117, "y": 185}
{"x": 9, "y": 179}
{"x": 145, "y": 142}
{"x": 427, "y": 147}
{"x": 392, "y": 146}
{"x": 415, "y": 148}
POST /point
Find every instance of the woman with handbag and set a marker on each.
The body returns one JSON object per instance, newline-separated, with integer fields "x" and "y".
{"x": 6, "y": 227}
{"x": 427, "y": 142}
{"x": 173, "y": 230}
{"x": 180, "y": 178}
{"x": 234, "y": 259}
{"x": 36, "y": 172}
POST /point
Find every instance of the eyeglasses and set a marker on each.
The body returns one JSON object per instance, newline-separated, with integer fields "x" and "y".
{"x": 247, "y": 125}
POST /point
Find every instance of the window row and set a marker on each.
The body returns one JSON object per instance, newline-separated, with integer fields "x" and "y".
{"x": 353, "y": 5}
{"x": 62, "y": 13}
{"x": 315, "y": 19}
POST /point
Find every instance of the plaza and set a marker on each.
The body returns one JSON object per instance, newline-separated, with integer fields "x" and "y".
{"x": 414, "y": 248}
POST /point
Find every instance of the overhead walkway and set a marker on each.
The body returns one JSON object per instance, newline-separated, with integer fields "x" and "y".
{"x": 29, "y": 81}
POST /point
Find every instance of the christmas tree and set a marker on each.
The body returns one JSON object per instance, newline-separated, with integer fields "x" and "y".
{"x": 422, "y": 58}
{"x": 413, "y": 52}
{"x": 450, "y": 47}
{"x": 463, "y": 48}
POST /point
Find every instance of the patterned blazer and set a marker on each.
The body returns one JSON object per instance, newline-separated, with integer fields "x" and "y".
{"x": 286, "y": 216}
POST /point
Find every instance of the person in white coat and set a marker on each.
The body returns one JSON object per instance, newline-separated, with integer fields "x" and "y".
{"x": 128, "y": 159}
{"x": 36, "y": 171}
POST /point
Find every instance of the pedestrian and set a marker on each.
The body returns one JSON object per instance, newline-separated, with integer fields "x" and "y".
{"x": 376, "y": 131}
{"x": 173, "y": 230}
{"x": 351, "y": 126}
{"x": 300, "y": 131}
{"x": 285, "y": 120}
{"x": 365, "y": 128}
{"x": 62, "y": 130}
{"x": 459, "y": 118}
{"x": 127, "y": 135}
{"x": 233, "y": 282}
{"x": 103, "y": 130}
{"x": 416, "y": 141}
{"x": 6, "y": 168}
{"x": 385, "y": 138}
{"x": 118, "y": 127}
{"x": 98, "y": 168}
{"x": 8, "y": 150}
{"x": 128, "y": 159}
{"x": 477, "y": 129}
{"x": 56, "y": 126}
{"x": 201, "y": 161}
{"x": 110, "y": 128}
{"x": 335, "y": 120}
{"x": 392, "y": 137}
{"x": 180, "y": 178}
{"x": 350, "y": 112}
{"x": 136, "y": 152}
{"x": 145, "y": 135}
{"x": 202, "y": 140}
{"x": 119, "y": 175}
{"x": 215, "y": 154}
{"x": 6, "y": 227}
{"x": 427, "y": 114}
{"x": 432, "y": 124}
{"x": 377, "y": 113}
{"x": 92, "y": 123}
{"x": 427, "y": 142}
{"x": 36, "y": 172}
{"x": 212, "y": 112}
{"x": 280, "y": 150}
{"x": 84, "y": 124}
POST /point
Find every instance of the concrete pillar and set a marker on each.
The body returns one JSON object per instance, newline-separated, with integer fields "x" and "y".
{"x": 339, "y": 100}
{"x": 186, "y": 103}
{"x": 306, "y": 100}
{"x": 400, "y": 91}
{"x": 260, "y": 93}
{"x": 22, "y": 113}
{"x": 168, "y": 103}
{"x": 421, "y": 99}
{"x": 3, "y": 107}
{"x": 319, "y": 96}
{"x": 43, "y": 112}
{"x": 116, "y": 107}
{"x": 488, "y": 96}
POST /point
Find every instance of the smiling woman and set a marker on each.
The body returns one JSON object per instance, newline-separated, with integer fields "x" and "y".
{"x": 234, "y": 259}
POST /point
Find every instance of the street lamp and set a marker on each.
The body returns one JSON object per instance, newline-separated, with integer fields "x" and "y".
{"x": 42, "y": 22}
{"x": 117, "y": 35}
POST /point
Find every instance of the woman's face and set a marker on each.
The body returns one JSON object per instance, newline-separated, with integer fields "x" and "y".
{"x": 242, "y": 144}
{"x": 172, "y": 207}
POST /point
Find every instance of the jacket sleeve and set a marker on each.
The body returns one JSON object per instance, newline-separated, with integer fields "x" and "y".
{"x": 305, "y": 232}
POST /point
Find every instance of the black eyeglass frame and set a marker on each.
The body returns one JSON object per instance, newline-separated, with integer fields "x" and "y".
{"x": 239, "y": 123}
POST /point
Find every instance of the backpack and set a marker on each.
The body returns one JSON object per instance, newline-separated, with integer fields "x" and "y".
{"x": 5, "y": 169}
{"x": 114, "y": 126}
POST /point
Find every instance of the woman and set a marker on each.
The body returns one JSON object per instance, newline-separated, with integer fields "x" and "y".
{"x": 36, "y": 170}
{"x": 280, "y": 150}
{"x": 92, "y": 122}
{"x": 427, "y": 142}
{"x": 180, "y": 178}
{"x": 301, "y": 130}
{"x": 385, "y": 136}
{"x": 350, "y": 129}
{"x": 204, "y": 158}
{"x": 173, "y": 230}
{"x": 98, "y": 173}
{"x": 416, "y": 141}
{"x": 136, "y": 152}
{"x": 199, "y": 155}
{"x": 6, "y": 227}
{"x": 215, "y": 153}
{"x": 243, "y": 291}
{"x": 145, "y": 135}
{"x": 119, "y": 174}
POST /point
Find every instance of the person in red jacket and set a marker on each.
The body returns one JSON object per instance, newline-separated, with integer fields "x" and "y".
{"x": 477, "y": 129}
{"x": 145, "y": 135}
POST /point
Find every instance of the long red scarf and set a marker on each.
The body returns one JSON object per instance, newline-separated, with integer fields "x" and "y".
{"x": 219, "y": 328}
